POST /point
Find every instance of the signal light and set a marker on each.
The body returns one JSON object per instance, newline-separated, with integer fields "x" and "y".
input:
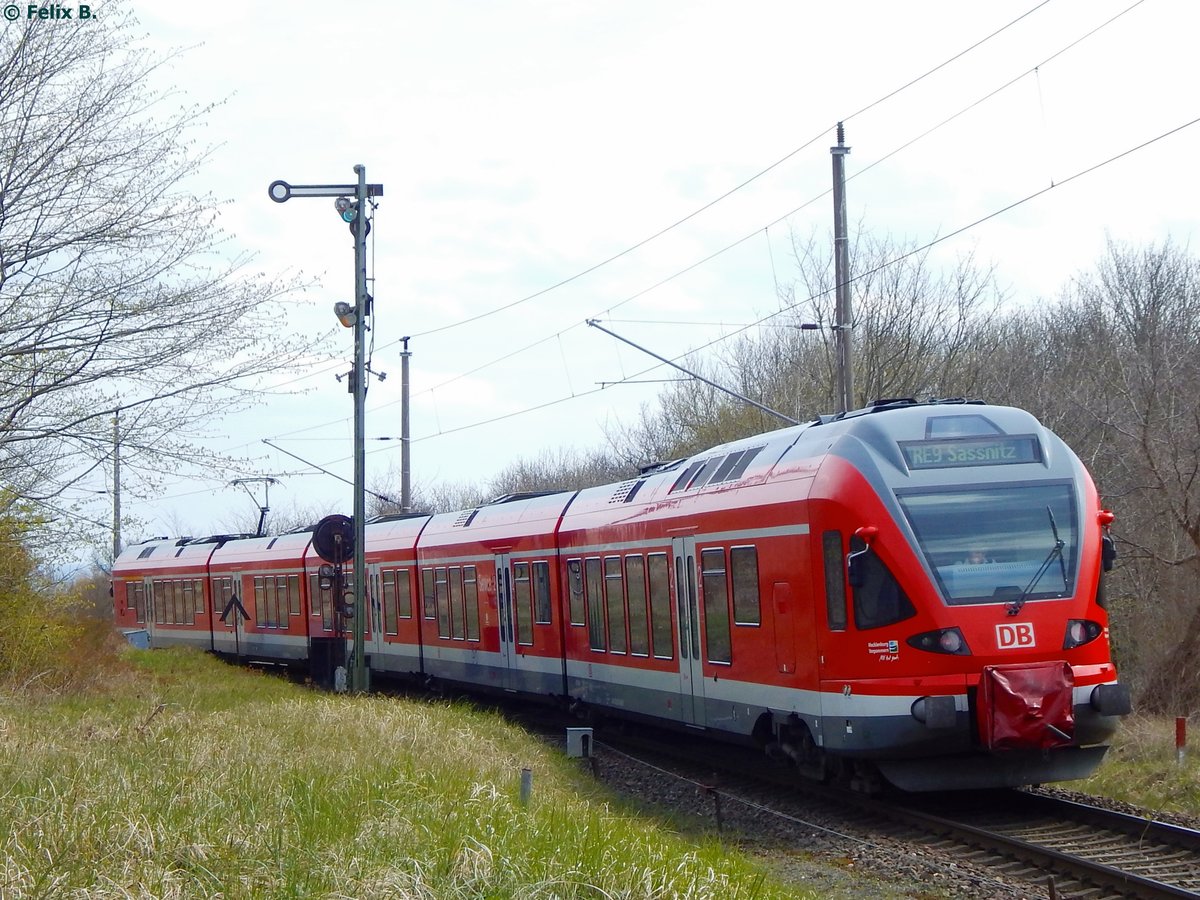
{"x": 346, "y": 314}
{"x": 346, "y": 208}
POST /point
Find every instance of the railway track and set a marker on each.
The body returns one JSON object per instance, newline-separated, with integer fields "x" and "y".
{"x": 1055, "y": 847}
{"x": 1081, "y": 850}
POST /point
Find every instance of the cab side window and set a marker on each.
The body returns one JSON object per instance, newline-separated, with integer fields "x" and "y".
{"x": 878, "y": 598}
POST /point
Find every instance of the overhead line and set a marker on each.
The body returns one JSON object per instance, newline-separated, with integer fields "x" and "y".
{"x": 792, "y": 306}
{"x": 726, "y": 194}
{"x": 643, "y": 242}
{"x": 781, "y": 218}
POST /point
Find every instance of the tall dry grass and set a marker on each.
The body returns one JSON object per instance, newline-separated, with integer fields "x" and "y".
{"x": 192, "y": 779}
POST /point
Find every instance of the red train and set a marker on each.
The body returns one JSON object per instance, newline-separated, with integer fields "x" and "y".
{"x": 912, "y": 589}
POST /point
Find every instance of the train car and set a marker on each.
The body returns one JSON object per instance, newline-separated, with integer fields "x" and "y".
{"x": 161, "y": 586}
{"x": 393, "y": 630}
{"x": 912, "y": 591}
{"x": 490, "y": 588}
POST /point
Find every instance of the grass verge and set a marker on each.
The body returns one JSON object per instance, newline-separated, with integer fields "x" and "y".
{"x": 1141, "y": 768}
{"x": 189, "y": 778}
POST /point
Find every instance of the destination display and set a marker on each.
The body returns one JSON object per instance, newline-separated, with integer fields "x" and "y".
{"x": 993, "y": 450}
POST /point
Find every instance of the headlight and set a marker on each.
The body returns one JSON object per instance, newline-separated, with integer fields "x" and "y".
{"x": 1080, "y": 632}
{"x": 944, "y": 640}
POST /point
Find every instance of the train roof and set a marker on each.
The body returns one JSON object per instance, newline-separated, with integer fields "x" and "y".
{"x": 505, "y": 518}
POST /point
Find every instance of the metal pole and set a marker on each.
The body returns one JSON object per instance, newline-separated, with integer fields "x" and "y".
{"x": 841, "y": 257}
{"x": 358, "y": 677}
{"x": 405, "y": 467}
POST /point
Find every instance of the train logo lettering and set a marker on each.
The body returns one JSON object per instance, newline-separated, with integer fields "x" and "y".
{"x": 1020, "y": 634}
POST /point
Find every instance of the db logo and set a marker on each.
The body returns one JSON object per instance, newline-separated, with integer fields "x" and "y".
{"x": 1019, "y": 634}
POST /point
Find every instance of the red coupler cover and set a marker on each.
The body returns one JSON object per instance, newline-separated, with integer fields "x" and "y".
{"x": 1027, "y": 706}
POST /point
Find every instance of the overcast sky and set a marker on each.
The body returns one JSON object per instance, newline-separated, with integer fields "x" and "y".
{"x": 520, "y": 143}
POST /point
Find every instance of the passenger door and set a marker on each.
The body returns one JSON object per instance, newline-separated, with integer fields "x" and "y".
{"x": 508, "y": 638}
{"x": 687, "y": 603}
{"x": 374, "y": 638}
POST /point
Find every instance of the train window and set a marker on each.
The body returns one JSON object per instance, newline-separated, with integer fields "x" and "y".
{"x": 635, "y": 578}
{"x": 294, "y": 594}
{"x": 660, "y": 605}
{"x": 522, "y": 603}
{"x": 614, "y": 593}
{"x": 403, "y": 594}
{"x": 274, "y": 601}
{"x": 135, "y": 599}
{"x": 427, "y": 592}
{"x": 835, "y": 580}
{"x": 441, "y": 597}
{"x": 281, "y": 601}
{"x": 458, "y": 618}
{"x": 322, "y": 601}
{"x": 284, "y": 598}
{"x": 715, "y": 584}
{"x": 541, "y": 593}
{"x": 388, "y": 588}
{"x": 260, "y": 603}
{"x": 277, "y": 592}
{"x": 471, "y": 597}
{"x": 187, "y": 597}
{"x": 595, "y": 604}
{"x": 694, "y": 627}
{"x": 993, "y": 544}
{"x": 879, "y": 600}
{"x": 198, "y": 593}
{"x": 743, "y": 565}
{"x": 575, "y": 588}
{"x": 680, "y": 595}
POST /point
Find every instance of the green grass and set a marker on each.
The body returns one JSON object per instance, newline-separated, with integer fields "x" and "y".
{"x": 1141, "y": 768}
{"x": 188, "y": 778}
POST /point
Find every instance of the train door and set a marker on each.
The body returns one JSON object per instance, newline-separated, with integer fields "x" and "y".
{"x": 150, "y": 608}
{"x": 373, "y": 643}
{"x": 504, "y": 614}
{"x": 687, "y": 602}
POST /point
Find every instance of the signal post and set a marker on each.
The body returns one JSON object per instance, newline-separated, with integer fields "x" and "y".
{"x": 354, "y": 212}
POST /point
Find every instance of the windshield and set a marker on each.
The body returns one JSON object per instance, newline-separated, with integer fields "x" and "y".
{"x": 997, "y": 544}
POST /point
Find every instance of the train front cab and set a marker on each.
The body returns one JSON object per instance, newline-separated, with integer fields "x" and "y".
{"x": 944, "y": 671}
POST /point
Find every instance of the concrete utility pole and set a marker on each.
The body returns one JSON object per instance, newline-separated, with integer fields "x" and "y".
{"x": 405, "y": 461}
{"x": 843, "y": 317}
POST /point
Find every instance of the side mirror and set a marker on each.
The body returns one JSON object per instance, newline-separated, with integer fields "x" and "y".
{"x": 1108, "y": 552}
{"x": 855, "y": 564}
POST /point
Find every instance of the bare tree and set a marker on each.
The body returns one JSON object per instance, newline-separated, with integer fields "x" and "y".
{"x": 919, "y": 332}
{"x": 115, "y": 294}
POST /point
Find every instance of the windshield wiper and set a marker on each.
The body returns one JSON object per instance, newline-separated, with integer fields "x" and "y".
{"x": 1057, "y": 550}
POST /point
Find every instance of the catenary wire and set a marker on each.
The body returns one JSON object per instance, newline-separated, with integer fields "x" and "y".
{"x": 871, "y": 105}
